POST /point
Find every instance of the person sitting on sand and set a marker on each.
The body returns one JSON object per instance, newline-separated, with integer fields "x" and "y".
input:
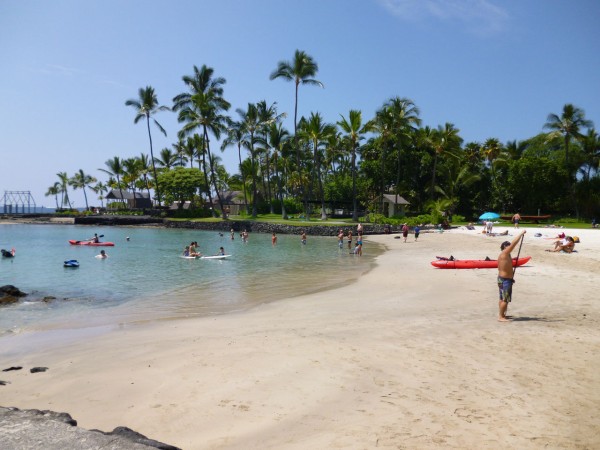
{"x": 567, "y": 247}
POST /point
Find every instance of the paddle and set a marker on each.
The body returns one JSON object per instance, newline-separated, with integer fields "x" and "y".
{"x": 518, "y": 254}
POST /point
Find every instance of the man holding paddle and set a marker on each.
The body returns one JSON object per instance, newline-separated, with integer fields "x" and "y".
{"x": 506, "y": 275}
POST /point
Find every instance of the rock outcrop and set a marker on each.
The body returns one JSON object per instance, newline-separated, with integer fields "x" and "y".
{"x": 30, "y": 429}
{"x": 10, "y": 294}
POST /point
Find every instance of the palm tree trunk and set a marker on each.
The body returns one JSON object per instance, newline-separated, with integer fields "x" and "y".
{"x": 354, "y": 200}
{"x": 243, "y": 175}
{"x": 204, "y": 150}
{"x": 153, "y": 165}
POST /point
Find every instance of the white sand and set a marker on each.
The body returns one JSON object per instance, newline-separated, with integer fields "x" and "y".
{"x": 409, "y": 356}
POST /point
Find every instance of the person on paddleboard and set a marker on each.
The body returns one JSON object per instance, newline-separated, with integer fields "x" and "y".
{"x": 505, "y": 276}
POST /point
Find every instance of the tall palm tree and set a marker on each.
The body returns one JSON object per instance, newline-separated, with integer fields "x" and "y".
{"x": 236, "y": 136}
{"x": 146, "y": 106}
{"x": 317, "y": 131}
{"x": 203, "y": 107}
{"x": 204, "y": 112}
{"x": 54, "y": 190}
{"x": 301, "y": 70}
{"x": 267, "y": 115}
{"x": 250, "y": 120}
{"x": 278, "y": 138}
{"x": 115, "y": 169}
{"x": 445, "y": 140}
{"x": 355, "y": 131}
{"x": 396, "y": 121}
{"x": 82, "y": 180}
{"x": 568, "y": 125}
{"x": 64, "y": 188}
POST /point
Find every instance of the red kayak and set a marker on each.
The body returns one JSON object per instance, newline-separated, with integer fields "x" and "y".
{"x": 92, "y": 243}
{"x": 475, "y": 263}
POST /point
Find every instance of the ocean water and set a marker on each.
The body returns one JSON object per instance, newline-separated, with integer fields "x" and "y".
{"x": 144, "y": 278}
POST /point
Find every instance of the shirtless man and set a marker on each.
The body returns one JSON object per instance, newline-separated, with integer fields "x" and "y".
{"x": 505, "y": 276}
{"x": 340, "y": 237}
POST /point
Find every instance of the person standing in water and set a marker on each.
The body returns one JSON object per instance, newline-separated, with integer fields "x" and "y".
{"x": 340, "y": 237}
{"x": 274, "y": 239}
{"x": 505, "y": 276}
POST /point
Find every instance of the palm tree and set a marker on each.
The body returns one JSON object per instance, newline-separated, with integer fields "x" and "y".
{"x": 202, "y": 107}
{"x": 278, "y": 138}
{"x": 54, "y": 190}
{"x": 79, "y": 181}
{"x": 355, "y": 131}
{"x": 250, "y": 121}
{"x": 204, "y": 113}
{"x": 568, "y": 125}
{"x": 396, "y": 121}
{"x": 301, "y": 70}
{"x": 267, "y": 116}
{"x": 147, "y": 106}
{"x": 590, "y": 144}
{"x": 144, "y": 167}
{"x": 316, "y": 131}
{"x": 100, "y": 189}
{"x": 445, "y": 140}
{"x": 115, "y": 169}
{"x": 168, "y": 159}
{"x": 64, "y": 187}
{"x": 236, "y": 136}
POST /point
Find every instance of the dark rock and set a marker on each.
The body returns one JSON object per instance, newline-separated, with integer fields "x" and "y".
{"x": 12, "y": 368}
{"x": 4, "y": 383}
{"x": 38, "y": 369}
{"x": 35, "y": 429}
{"x": 11, "y": 291}
{"x": 10, "y": 294}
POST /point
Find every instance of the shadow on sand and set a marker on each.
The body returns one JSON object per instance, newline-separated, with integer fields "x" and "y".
{"x": 534, "y": 319}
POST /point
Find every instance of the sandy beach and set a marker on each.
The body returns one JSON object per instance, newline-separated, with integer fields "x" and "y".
{"x": 408, "y": 356}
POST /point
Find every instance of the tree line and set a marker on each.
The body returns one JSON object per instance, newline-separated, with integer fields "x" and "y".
{"x": 349, "y": 163}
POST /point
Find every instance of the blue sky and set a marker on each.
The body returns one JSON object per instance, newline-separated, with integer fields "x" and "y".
{"x": 493, "y": 68}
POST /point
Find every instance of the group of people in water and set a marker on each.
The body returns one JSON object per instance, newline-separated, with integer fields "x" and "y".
{"x": 192, "y": 250}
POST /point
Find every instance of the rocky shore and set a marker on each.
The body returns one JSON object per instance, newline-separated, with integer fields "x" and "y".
{"x": 28, "y": 429}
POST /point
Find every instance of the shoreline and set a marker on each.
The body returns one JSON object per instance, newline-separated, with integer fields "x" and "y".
{"x": 406, "y": 356}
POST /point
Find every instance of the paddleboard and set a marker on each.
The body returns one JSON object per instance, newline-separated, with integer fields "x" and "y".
{"x": 215, "y": 257}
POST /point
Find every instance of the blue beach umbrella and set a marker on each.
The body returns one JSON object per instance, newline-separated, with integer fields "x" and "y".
{"x": 489, "y": 216}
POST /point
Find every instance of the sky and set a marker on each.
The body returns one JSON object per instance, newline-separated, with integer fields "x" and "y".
{"x": 493, "y": 68}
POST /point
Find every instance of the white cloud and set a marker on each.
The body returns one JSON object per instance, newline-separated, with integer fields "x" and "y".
{"x": 478, "y": 16}
{"x": 56, "y": 69}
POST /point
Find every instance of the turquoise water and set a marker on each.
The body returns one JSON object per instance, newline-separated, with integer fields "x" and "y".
{"x": 144, "y": 278}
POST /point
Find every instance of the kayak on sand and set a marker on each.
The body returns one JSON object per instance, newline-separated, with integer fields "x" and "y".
{"x": 92, "y": 243}
{"x": 446, "y": 263}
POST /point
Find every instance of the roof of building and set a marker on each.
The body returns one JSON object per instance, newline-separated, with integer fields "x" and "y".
{"x": 396, "y": 199}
